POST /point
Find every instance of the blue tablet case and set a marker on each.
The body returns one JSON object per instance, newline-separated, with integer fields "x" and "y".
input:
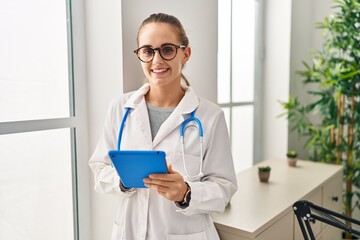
{"x": 133, "y": 166}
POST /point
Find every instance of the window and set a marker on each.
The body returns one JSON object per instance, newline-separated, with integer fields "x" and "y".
{"x": 238, "y": 77}
{"x": 34, "y": 61}
{"x": 36, "y": 185}
{"x": 42, "y": 128}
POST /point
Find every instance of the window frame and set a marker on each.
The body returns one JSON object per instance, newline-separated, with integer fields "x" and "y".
{"x": 259, "y": 91}
{"x": 259, "y": 57}
{"x": 77, "y": 122}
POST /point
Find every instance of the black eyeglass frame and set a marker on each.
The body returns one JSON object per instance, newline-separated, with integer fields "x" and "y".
{"x": 158, "y": 49}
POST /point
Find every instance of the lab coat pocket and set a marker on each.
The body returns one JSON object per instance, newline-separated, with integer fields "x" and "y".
{"x": 190, "y": 168}
{"x": 193, "y": 236}
{"x": 117, "y": 232}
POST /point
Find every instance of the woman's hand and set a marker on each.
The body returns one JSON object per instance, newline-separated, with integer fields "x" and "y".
{"x": 171, "y": 185}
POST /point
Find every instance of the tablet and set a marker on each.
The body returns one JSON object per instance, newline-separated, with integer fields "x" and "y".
{"x": 133, "y": 166}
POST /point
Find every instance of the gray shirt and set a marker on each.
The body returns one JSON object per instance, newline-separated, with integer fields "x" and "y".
{"x": 157, "y": 116}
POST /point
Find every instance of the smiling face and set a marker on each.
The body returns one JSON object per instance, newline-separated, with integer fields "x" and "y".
{"x": 162, "y": 72}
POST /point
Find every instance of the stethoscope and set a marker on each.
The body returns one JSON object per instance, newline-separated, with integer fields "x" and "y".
{"x": 183, "y": 127}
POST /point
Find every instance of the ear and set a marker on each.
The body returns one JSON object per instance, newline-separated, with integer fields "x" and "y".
{"x": 187, "y": 54}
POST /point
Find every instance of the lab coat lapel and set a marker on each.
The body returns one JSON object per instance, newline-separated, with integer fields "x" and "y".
{"x": 174, "y": 120}
{"x": 188, "y": 104}
{"x": 139, "y": 113}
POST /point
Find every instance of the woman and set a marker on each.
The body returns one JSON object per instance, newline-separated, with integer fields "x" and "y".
{"x": 176, "y": 205}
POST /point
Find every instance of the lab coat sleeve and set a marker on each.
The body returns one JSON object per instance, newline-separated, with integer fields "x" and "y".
{"x": 218, "y": 184}
{"x": 106, "y": 178}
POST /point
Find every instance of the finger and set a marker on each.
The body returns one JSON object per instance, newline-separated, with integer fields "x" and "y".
{"x": 170, "y": 170}
{"x": 165, "y": 192}
{"x": 166, "y": 177}
{"x": 162, "y": 177}
{"x": 159, "y": 188}
{"x": 158, "y": 182}
{"x": 169, "y": 190}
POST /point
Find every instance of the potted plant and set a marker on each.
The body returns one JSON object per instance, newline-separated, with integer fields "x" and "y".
{"x": 335, "y": 71}
{"x": 264, "y": 173}
{"x": 292, "y": 158}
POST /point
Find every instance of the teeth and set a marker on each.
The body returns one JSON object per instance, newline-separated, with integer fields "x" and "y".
{"x": 159, "y": 70}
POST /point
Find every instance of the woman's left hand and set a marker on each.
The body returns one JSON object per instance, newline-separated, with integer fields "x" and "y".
{"x": 171, "y": 185}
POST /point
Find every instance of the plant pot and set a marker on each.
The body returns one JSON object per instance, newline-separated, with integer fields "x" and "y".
{"x": 292, "y": 161}
{"x": 264, "y": 176}
{"x": 344, "y": 236}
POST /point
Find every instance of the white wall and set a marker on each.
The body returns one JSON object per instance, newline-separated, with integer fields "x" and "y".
{"x": 106, "y": 45}
{"x": 276, "y": 76}
{"x": 304, "y": 39}
{"x": 104, "y": 76}
{"x": 289, "y": 37}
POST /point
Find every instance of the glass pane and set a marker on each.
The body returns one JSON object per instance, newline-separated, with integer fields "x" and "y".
{"x": 243, "y": 47}
{"x": 224, "y": 48}
{"x": 36, "y": 200}
{"x": 242, "y": 136}
{"x": 34, "y": 60}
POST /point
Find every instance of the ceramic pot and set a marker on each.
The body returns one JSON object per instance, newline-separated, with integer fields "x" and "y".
{"x": 292, "y": 162}
{"x": 264, "y": 176}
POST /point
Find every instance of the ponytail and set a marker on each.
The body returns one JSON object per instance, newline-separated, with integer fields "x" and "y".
{"x": 186, "y": 81}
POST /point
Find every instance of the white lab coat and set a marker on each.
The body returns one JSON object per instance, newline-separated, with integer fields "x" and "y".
{"x": 143, "y": 213}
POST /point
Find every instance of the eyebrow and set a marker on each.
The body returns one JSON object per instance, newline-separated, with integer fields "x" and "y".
{"x": 160, "y": 45}
{"x": 167, "y": 44}
{"x": 145, "y": 46}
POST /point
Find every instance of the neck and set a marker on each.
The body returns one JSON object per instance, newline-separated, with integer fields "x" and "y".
{"x": 164, "y": 97}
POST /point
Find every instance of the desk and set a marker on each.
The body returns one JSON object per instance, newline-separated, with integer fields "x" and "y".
{"x": 264, "y": 210}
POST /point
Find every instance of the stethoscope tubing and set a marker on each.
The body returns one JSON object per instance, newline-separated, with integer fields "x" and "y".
{"x": 127, "y": 110}
{"x": 186, "y": 121}
{"x": 201, "y": 134}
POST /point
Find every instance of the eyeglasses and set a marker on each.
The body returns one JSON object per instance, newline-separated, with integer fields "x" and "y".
{"x": 167, "y": 52}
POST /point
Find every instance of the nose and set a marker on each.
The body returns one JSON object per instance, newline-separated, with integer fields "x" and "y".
{"x": 157, "y": 57}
